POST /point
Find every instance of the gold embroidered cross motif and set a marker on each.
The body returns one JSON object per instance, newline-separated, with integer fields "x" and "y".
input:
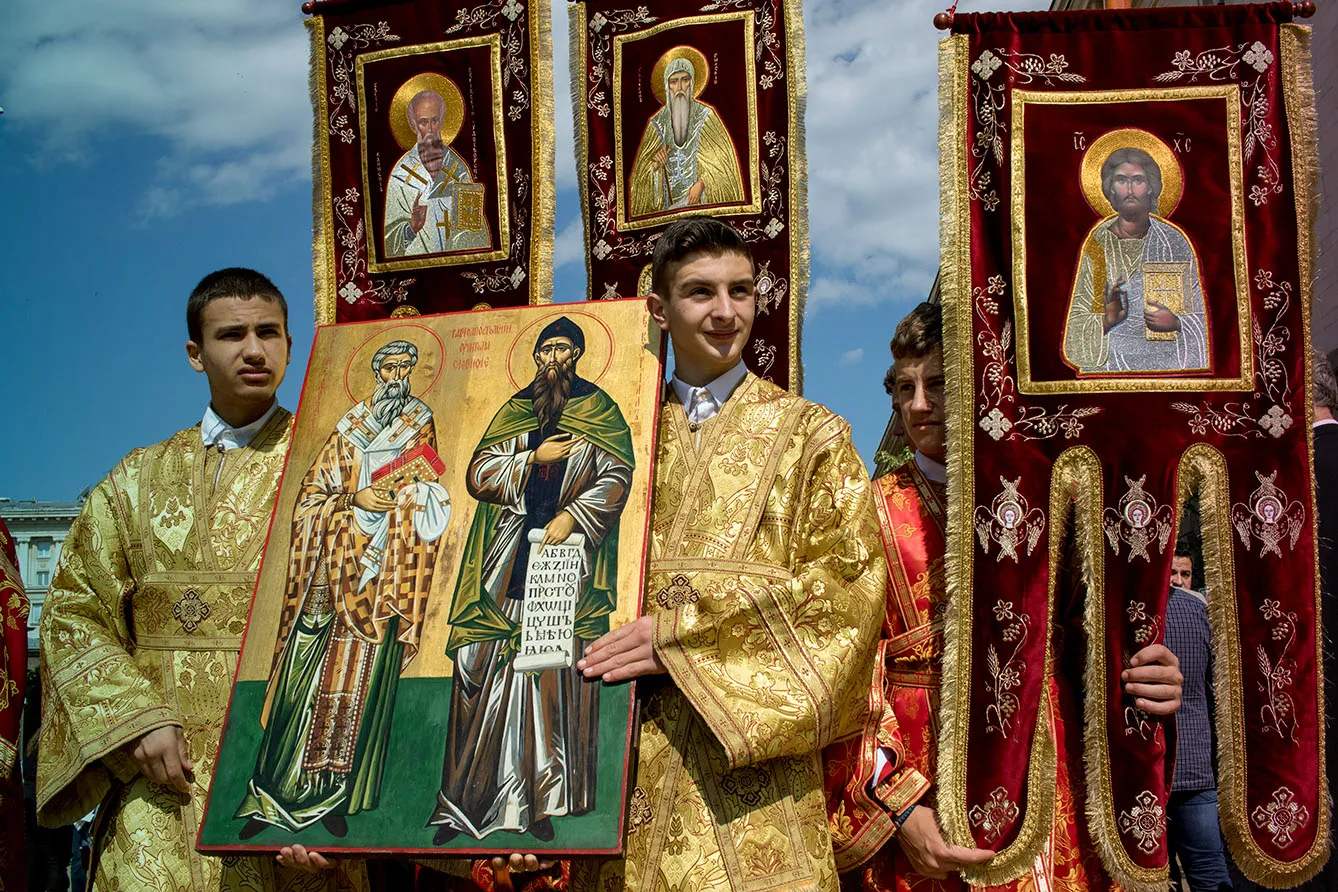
{"x": 994, "y": 815}
{"x": 678, "y": 593}
{"x": 1145, "y": 822}
{"x": 1282, "y": 817}
{"x": 190, "y": 610}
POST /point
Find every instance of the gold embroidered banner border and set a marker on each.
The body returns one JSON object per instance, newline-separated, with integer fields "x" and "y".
{"x": 391, "y": 236}
{"x": 742, "y": 149}
{"x": 1027, "y": 430}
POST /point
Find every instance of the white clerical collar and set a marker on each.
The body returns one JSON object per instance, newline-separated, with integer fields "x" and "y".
{"x": 216, "y": 431}
{"x": 935, "y": 472}
{"x": 702, "y": 403}
{"x": 1324, "y": 421}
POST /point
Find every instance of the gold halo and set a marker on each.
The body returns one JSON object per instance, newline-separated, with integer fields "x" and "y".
{"x": 404, "y": 310}
{"x": 358, "y": 383}
{"x": 592, "y": 365}
{"x": 701, "y": 72}
{"x": 443, "y": 86}
{"x": 1172, "y": 177}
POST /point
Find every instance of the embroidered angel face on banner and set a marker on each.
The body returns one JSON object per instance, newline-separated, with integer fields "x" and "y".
{"x": 1270, "y": 516}
{"x": 1009, "y": 522}
{"x": 1139, "y": 521}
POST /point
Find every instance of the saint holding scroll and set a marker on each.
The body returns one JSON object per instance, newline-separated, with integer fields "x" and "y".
{"x": 556, "y": 463}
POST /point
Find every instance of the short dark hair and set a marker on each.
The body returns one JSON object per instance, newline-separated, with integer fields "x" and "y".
{"x": 918, "y": 334}
{"x": 235, "y": 281}
{"x": 1184, "y": 551}
{"x": 692, "y": 235}
{"x": 1326, "y": 386}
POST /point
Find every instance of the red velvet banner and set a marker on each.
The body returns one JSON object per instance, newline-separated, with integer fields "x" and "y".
{"x": 1127, "y": 268}
{"x": 433, "y": 161}
{"x": 736, "y": 149}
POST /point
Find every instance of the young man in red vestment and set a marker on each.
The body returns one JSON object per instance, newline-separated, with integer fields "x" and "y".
{"x": 880, "y": 787}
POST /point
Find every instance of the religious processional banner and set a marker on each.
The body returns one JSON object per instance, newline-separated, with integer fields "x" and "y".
{"x": 1127, "y": 261}
{"x": 696, "y": 108}
{"x": 433, "y": 156}
{"x": 464, "y": 507}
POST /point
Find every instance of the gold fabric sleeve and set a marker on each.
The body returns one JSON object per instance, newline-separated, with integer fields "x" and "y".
{"x": 95, "y": 697}
{"x": 776, "y": 664}
{"x": 718, "y": 165}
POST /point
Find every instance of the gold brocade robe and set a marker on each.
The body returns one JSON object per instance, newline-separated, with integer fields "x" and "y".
{"x": 142, "y": 630}
{"x": 766, "y": 580}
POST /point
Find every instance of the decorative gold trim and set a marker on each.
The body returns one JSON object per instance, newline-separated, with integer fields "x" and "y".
{"x": 1151, "y": 382}
{"x": 1203, "y": 469}
{"x": 959, "y": 375}
{"x": 1085, "y": 487}
{"x": 1299, "y": 101}
{"x": 797, "y": 88}
{"x": 494, "y": 44}
{"x": 543, "y": 143}
{"x": 579, "y": 63}
{"x": 322, "y": 237}
{"x": 619, "y": 182}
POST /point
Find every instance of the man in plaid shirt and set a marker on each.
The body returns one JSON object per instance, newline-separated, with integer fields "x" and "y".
{"x": 1194, "y": 838}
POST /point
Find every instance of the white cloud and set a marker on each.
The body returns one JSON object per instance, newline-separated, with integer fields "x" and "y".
{"x": 872, "y": 139}
{"x": 851, "y": 357}
{"x": 223, "y": 84}
{"x": 569, "y": 247}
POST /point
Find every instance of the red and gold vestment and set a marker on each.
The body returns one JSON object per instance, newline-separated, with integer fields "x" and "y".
{"x": 904, "y": 719}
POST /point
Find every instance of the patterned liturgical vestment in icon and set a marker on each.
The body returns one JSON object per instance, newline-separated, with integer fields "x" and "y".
{"x": 358, "y": 586}
{"x": 142, "y": 630}
{"x": 904, "y": 720}
{"x": 765, "y": 581}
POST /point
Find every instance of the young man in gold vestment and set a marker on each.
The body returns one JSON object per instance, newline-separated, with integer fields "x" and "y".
{"x": 880, "y": 785}
{"x": 142, "y": 627}
{"x": 763, "y": 591}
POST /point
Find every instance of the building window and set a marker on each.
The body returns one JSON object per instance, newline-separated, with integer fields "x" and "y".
{"x": 44, "y": 548}
{"x": 43, "y": 577}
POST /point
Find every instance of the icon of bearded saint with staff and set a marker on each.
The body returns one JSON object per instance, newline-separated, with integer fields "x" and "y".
{"x": 686, "y": 158}
{"x": 554, "y": 465}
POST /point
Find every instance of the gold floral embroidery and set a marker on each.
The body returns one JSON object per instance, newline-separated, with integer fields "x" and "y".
{"x": 638, "y": 810}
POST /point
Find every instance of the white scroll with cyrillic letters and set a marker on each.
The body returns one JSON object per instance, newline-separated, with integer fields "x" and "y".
{"x": 554, "y": 579}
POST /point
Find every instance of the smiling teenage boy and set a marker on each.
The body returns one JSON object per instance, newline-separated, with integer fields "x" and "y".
{"x": 141, "y": 630}
{"x": 764, "y": 583}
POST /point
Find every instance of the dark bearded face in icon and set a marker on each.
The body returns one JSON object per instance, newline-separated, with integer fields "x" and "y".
{"x": 555, "y": 371}
{"x": 1131, "y": 181}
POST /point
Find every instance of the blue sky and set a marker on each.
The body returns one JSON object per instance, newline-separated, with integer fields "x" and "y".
{"x": 146, "y": 142}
